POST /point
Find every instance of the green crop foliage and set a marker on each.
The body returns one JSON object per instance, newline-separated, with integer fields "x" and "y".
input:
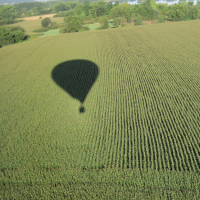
{"x": 135, "y": 135}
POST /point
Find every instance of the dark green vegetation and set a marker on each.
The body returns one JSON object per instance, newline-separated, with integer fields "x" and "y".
{"x": 46, "y": 22}
{"x": 14, "y": 1}
{"x": 34, "y": 8}
{"x": 76, "y": 77}
{"x": 119, "y": 21}
{"x": 121, "y": 13}
{"x": 139, "y": 135}
{"x": 148, "y": 10}
{"x": 11, "y": 35}
{"x": 138, "y": 20}
{"x": 104, "y": 22}
{"x": 161, "y": 19}
{"x": 7, "y": 15}
{"x": 72, "y": 24}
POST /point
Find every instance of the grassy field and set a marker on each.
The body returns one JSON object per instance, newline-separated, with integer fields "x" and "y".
{"x": 31, "y": 25}
{"x": 93, "y": 26}
{"x": 51, "y": 32}
{"x": 109, "y": 114}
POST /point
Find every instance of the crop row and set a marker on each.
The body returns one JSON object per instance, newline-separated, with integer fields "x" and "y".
{"x": 148, "y": 114}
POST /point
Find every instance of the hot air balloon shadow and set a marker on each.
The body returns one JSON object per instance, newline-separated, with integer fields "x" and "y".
{"x": 76, "y": 77}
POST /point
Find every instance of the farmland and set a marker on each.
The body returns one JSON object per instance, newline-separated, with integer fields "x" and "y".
{"x": 31, "y": 24}
{"x": 123, "y": 121}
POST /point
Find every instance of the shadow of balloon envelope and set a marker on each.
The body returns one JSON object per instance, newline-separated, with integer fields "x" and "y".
{"x": 76, "y": 77}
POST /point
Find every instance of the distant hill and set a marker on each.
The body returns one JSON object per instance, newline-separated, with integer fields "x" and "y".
{"x": 16, "y": 1}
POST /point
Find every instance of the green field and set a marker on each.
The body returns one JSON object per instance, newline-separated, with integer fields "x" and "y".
{"x": 51, "y": 32}
{"x": 31, "y": 25}
{"x": 108, "y": 114}
{"x": 93, "y": 26}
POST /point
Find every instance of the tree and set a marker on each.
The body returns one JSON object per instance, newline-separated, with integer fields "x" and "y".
{"x": 150, "y": 3}
{"x": 119, "y": 21}
{"x": 93, "y": 8}
{"x": 163, "y": 8}
{"x": 86, "y": 7}
{"x": 23, "y": 10}
{"x": 191, "y": 3}
{"x": 123, "y": 10}
{"x": 46, "y": 22}
{"x": 28, "y": 14}
{"x": 177, "y": 12}
{"x": 161, "y": 19}
{"x": 60, "y": 7}
{"x": 116, "y": 3}
{"x": 182, "y": 2}
{"x": 138, "y": 20}
{"x": 104, "y": 22}
{"x": 194, "y": 12}
{"x": 72, "y": 4}
{"x": 109, "y": 7}
{"x": 78, "y": 9}
{"x": 35, "y": 11}
{"x": 7, "y": 15}
{"x": 98, "y": 9}
{"x": 10, "y": 35}
{"x": 29, "y": 5}
{"x": 101, "y": 8}
{"x": 73, "y": 24}
{"x": 147, "y": 12}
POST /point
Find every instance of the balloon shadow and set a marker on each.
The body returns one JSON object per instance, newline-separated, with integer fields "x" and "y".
{"x": 76, "y": 77}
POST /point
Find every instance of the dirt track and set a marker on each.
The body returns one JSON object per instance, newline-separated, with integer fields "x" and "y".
{"x": 37, "y": 17}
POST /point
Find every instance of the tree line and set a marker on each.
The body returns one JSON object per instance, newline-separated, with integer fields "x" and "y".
{"x": 77, "y": 13}
{"x": 121, "y": 13}
{"x": 91, "y": 9}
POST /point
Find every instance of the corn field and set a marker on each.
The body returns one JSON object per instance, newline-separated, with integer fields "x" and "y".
{"x": 140, "y": 111}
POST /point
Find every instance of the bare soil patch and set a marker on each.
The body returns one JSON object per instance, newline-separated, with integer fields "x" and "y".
{"x": 38, "y": 16}
{"x": 146, "y": 22}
